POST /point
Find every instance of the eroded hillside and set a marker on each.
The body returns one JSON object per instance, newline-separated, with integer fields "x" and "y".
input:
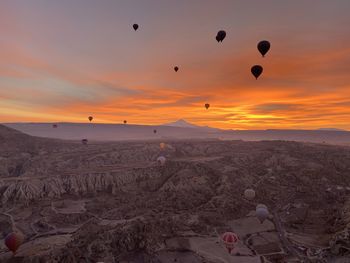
{"x": 112, "y": 202}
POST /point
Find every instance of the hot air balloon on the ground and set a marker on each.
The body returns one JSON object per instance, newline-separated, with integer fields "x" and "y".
{"x": 90, "y": 118}
{"x": 14, "y": 240}
{"x": 161, "y": 160}
{"x": 176, "y": 68}
{"x": 135, "y": 26}
{"x": 162, "y": 145}
{"x": 229, "y": 239}
{"x": 84, "y": 141}
{"x": 54, "y": 126}
{"x": 125, "y": 121}
{"x": 257, "y": 70}
{"x": 207, "y": 105}
{"x": 264, "y": 47}
{"x": 220, "y": 36}
{"x": 261, "y": 212}
{"x": 249, "y": 194}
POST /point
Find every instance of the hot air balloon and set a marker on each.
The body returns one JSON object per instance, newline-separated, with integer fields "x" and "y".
{"x": 176, "y": 68}
{"x": 220, "y": 36}
{"x": 90, "y": 118}
{"x": 162, "y": 145}
{"x": 261, "y": 212}
{"x": 249, "y": 194}
{"x": 14, "y": 240}
{"x": 135, "y": 26}
{"x": 207, "y": 105}
{"x": 54, "y": 126}
{"x": 257, "y": 70}
{"x": 264, "y": 47}
{"x": 84, "y": 141}
{"x": 229, "y": 239}
{"x": 154, "y": 131}
{"x": 125, "y": 122}
{"x": 161, "y": 160}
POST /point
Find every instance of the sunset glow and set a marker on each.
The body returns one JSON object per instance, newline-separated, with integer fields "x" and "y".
{"x": 66, "y": 60}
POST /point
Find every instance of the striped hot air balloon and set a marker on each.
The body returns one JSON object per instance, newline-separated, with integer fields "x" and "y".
{"x": 14, "y": 240}
{"x": 229, "y": 239}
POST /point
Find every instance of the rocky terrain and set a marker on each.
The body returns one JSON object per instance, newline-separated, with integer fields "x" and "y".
{"x": 112, "y": 202}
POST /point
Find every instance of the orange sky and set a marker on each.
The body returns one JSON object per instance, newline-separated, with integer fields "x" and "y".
{"x": 65, "y": 60}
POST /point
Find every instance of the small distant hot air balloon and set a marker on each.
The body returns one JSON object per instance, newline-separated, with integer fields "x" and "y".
{"x": 125, "y": 122}
{"x": 264, "y": 47}
{"x": 154, "y": 131}
{"x": 249, "y": 194}
{"x": 207, "y": 105}
{"x": 84, "y": 141}
{"x": 54, "y": 126}
{"x": 261, "y": 212}
{"x": 161, "y": 160}
{"x": 135, "y": 26}
{"x": 14, "y": 240}
{"x": 90, "y": 118}
{"x": 220, "y": 36}
{"x": 176, "y": 68}
{"x": 229, "y": 239}
{"x": 257, "y": 70}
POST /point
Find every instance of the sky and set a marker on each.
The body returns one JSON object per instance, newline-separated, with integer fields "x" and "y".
{"x": 62, "y": 61}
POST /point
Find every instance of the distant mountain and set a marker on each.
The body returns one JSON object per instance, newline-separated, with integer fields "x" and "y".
{"x": 180, "y": 129}
{"x": 185, "y": 124}
{"x": 181, "y": 123}
{"x": 330, "y": 129}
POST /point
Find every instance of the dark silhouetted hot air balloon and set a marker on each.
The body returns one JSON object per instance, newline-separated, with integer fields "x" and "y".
{"x": 264, "y": 47}
{"x": 176, "y": 68}
{"x": 256, "y": 70}
{"x": 14, "y": 240}
{"x": 54, "y": 126}
{"x": 125, "y": 121}
{"x": 154, "y": 131}
{"x": 220, "y": 36}
{"x": 135, "y": 26}
{"x": 229, "y": 239}
{"x": 84, "y": 141}
{"x": 90, "y": 118}
{"x": 207, "y": 105}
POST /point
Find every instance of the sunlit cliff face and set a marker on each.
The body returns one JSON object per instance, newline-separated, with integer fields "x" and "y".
{"x": 62, "y": 61}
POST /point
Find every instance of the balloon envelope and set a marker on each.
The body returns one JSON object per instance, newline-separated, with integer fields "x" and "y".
{"x": 14, "y": 240}
{"x": 264, "y": 47}
{"x": 249, "y": 194}
{"x": 176, "y": 69}
{"x": 261, "y": 212}
{"x": 220, "y": 36}
{"x": 161, "y": 160}
{"x": 257, "y": 70}
{"x": 90, "y": 118}
{"x": 207, "y": 105}
{"x": 125, "y": 121}
{"x": 162, "y": 145}
{"x": 135, "y": 26}
{"x": 229, "y": 239}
